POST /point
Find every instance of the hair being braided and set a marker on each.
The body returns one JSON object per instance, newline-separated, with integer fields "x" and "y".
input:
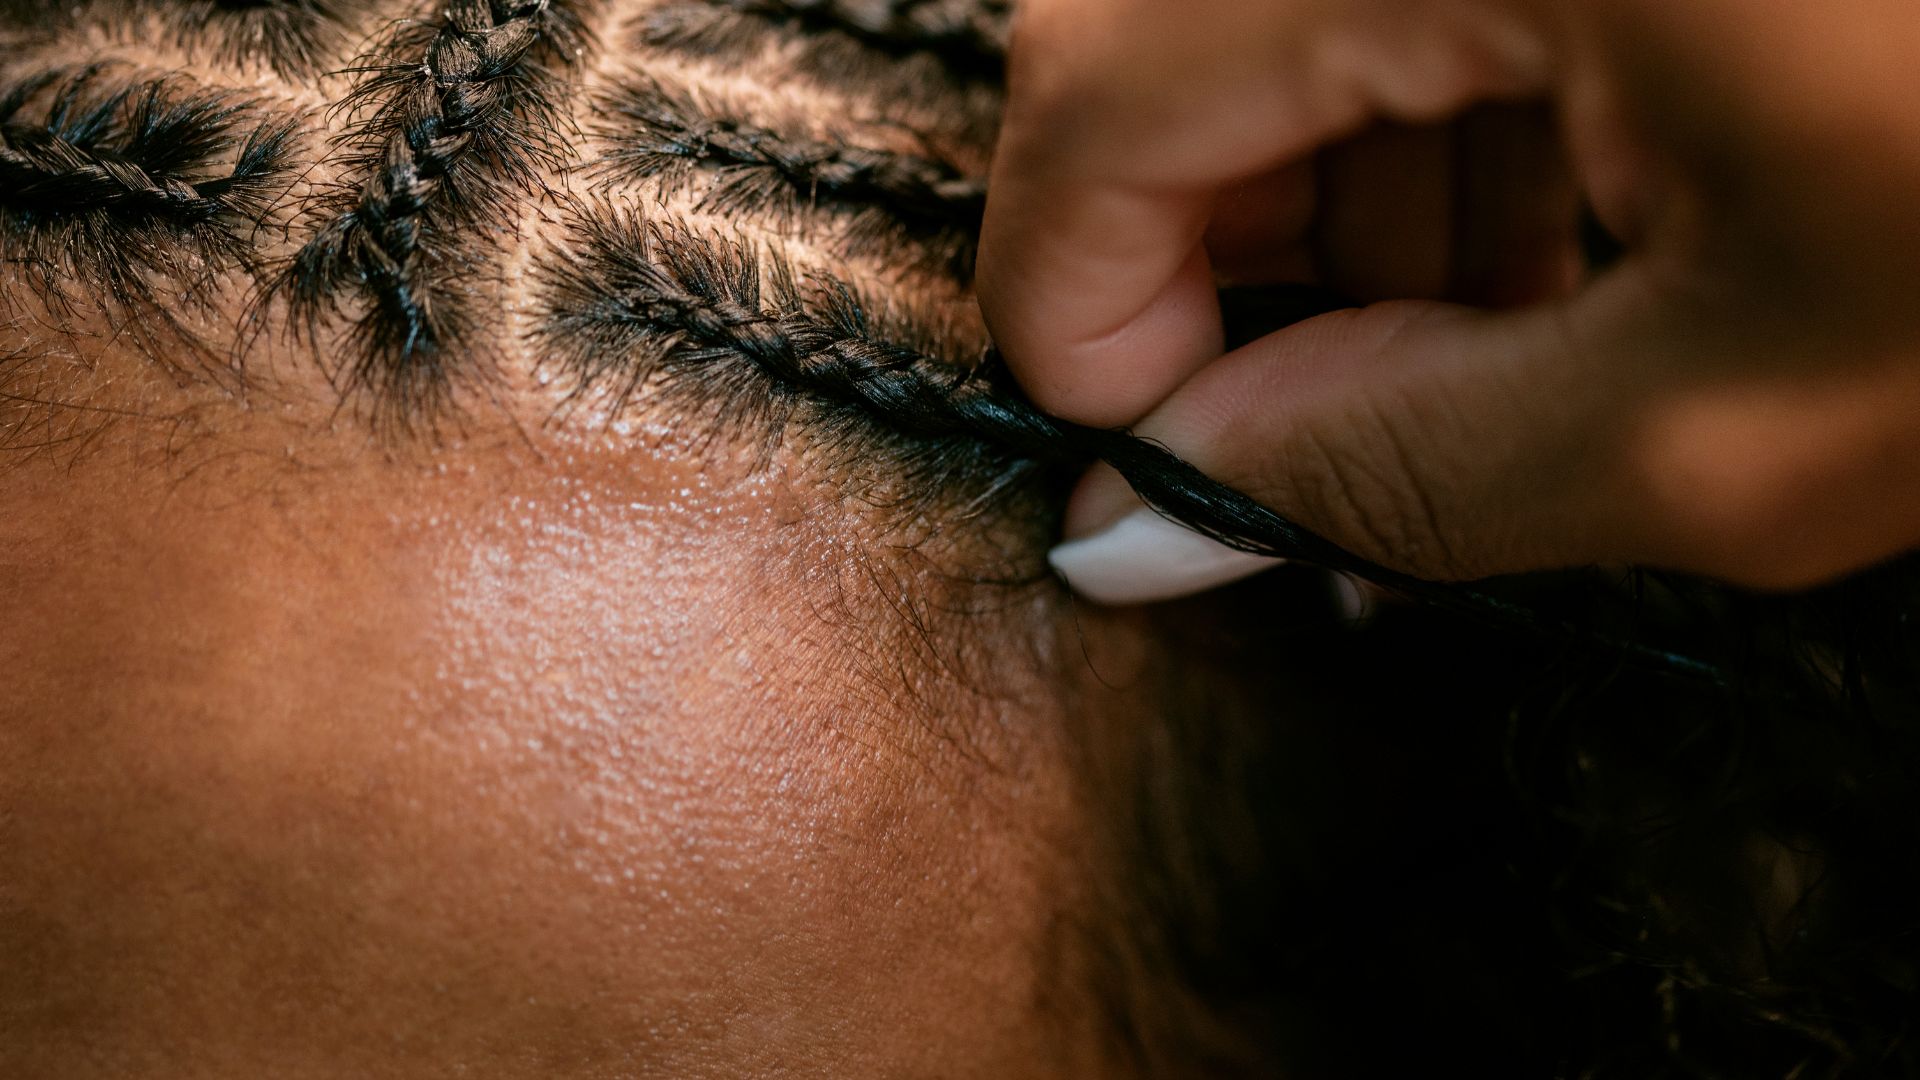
{"x": 1624, "y": 786}
{"x": 635, "y": 300}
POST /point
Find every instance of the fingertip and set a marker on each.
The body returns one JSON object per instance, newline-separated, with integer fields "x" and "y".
{"x": 1102, "y": 354}
{"x": 1102, "y": 497}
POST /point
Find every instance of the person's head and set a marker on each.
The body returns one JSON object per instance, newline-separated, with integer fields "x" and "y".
{"x": 454, "y": 622}
{"x": 516, "y": 562}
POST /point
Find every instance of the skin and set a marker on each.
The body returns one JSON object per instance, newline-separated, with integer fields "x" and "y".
{"x": 544, "y": 743}
{"x": 1734, "y": 397}
{"x": 535, "y": 752}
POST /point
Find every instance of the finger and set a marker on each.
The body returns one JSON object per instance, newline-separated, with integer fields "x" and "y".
{"x": 1127, "y": 117}
{"x": 1395, "y": 431}
{"x": 1735, "y": 398}
{"x": 1108, "y": 303}
{"x": 1455, "y": 444}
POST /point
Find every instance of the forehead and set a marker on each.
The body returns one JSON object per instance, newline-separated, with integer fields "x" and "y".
{"x": 528, "y": 744}
{"x": 584, "y": 730}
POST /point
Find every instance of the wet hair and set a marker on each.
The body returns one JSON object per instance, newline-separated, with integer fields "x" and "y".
{"x": 1639, "y": 825}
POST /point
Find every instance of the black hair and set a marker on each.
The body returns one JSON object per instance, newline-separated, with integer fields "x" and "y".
{"x": 894, "y": 201}
{"x": 626, "y": 300}
{"x": 968, "y": 36}
{"x": 460, "y": 110}
{"x": 118, "y": 192}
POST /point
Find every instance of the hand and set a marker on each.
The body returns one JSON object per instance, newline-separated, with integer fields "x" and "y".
{"x": 1739, "y": 395}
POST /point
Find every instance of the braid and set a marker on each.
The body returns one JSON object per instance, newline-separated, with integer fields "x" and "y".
{"x": 125, "y": 156}
{"x": 643, "y": 299}
{"x": 117, "y": 191}
{"x": 969, "y": 34}
{"x": 660, "y": 133}
{"x": 451, "y": 132}
{"x": 954, "y": 81}
{"x": 294, "y": 38}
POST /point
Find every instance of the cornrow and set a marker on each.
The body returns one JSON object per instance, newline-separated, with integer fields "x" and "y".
{"x": 970, "y": 36}
{"x": 129, "y": 188}
{"x": 633, "y": 299}
{"x": 296, "y": 38}
{"x": 45, "y": 170}
{"x": 463, "y": 112}
{"x": 961, "y": 87}
{"x": 658, "y": 133}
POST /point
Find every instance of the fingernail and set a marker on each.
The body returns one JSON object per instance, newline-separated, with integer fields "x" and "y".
{"x": 1143, "y": 558}
{"x": 1350, "y": 598}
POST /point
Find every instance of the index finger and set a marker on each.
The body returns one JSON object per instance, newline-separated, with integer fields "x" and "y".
{"x": 1126, "y": 117}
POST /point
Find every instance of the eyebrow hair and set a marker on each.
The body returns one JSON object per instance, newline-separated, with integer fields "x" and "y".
{"x": 462, "y": 110}
{"x": 889, "y": 198}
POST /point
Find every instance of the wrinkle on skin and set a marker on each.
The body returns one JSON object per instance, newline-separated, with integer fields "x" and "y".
{"x": 533, "y": 763}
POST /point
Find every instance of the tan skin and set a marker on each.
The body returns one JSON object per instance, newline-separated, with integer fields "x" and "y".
{"x": 1734, "y": 398}
{"x": 540, "y": 753}
{"x": 530, "y": 753}
{"x": 539, "y": 744}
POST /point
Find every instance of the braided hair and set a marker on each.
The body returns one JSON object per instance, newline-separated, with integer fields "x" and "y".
{"x": 903, "y": 200}
{"x": 970, "y": 32}
{"x": 159, "y": 184}
{"x": 462, "y": 111}
{"x": 1793, "y": 715}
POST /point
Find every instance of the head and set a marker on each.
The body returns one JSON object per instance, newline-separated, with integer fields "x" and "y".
{"x": 518, "y": 563}
{"x": 457, "y": 622}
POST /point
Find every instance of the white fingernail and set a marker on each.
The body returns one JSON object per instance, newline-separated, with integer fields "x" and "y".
{"x": 1350, "y": 598}
{"x": 1143, "y": 558}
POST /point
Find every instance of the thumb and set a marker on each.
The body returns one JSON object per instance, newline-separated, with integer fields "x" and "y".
{"x": 1638, "y": 422}
{"x": 1441, "y": 441}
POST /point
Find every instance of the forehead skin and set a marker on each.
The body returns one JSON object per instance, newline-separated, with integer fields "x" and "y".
{"x": 522, "y": 748}
{"x": 526, "y": 755}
